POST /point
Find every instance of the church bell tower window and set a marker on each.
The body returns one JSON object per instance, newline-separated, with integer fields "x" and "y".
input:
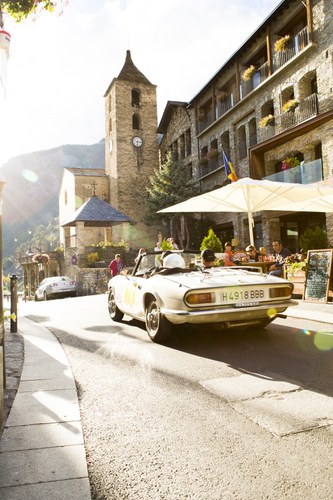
{"x": 136, "y": 122}
{"x": 135, "y": 98}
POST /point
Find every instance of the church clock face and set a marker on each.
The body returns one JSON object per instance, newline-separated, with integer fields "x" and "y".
{"x": 137, "y": 142}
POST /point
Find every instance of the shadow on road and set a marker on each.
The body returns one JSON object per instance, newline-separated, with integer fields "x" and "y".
{"x": 279, "y": 352}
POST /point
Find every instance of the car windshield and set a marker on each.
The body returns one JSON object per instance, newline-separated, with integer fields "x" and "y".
{"x": 153, "y": 260}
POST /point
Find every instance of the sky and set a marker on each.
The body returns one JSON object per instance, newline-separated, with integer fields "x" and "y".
{"x": 60, "y": 66}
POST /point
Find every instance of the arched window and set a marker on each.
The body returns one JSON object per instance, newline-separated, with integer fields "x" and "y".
{"x": 136, "y": 122}
{"x": 136, "y": 98}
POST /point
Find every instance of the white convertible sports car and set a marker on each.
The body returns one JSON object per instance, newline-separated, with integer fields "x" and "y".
{"x": 185, "y": 292}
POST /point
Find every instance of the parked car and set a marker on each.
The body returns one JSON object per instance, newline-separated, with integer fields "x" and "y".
{"x": 187, "y": 293}
{"x": 56, "y": 287}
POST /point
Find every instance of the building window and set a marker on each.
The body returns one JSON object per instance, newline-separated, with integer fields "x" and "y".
{"x": 225, "y": 143}
{"x": 188, "y": 142}
{"x": 136, "y": 121}
{"x": 253, "y": 131}
{"x": 242, "y": 148}
{"x": 135, "y": 98}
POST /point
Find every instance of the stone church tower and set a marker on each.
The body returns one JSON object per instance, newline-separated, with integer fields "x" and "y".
{"x": 131, "y": 148}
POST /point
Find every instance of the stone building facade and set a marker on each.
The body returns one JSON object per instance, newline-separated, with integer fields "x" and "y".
{"x": 78, "y": 185}
{"x": 131, "y": 153}
{"x": 131, "y": 156}
{"x": 271, "y": 101}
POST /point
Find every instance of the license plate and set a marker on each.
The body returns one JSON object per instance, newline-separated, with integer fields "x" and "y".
{"x": 243, "y": 295}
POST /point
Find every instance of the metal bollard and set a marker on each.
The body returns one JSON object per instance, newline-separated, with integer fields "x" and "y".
{"x": 13, "y": 302}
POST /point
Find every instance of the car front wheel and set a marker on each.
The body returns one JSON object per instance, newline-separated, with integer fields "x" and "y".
{"x": 157, "y": 326}
{"x": 46, "y": 297}
{"x": 115, "y": 313}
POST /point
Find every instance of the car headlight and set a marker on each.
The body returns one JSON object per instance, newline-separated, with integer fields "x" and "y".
{"x": 277, "y": 292}
{"x": 193, "y": 298}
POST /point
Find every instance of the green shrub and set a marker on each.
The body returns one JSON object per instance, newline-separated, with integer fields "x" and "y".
{"x": 92, "y": 257}
{"x": 212, "y": 242}
{"x": 313, "y": 239}
{"x": 166, "y": 245}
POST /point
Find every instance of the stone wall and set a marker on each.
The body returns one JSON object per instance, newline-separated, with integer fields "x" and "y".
{"x": 94, "y": 279}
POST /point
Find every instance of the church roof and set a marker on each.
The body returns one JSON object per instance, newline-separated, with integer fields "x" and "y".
{"x": 95, "y": 211}
{"x": 83, "y": 171}
{"x": 129, "y": 72}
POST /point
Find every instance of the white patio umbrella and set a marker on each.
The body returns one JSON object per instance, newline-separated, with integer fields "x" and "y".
{"x": 251, "y": 195}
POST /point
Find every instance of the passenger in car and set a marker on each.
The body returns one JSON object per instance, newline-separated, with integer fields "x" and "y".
{"x": 208, "y": 258}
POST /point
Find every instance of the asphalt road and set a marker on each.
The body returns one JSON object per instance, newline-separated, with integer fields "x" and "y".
{"x": 233, "y": 415}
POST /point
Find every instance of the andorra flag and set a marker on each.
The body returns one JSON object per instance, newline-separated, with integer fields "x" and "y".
{"x": 229, "y": 169}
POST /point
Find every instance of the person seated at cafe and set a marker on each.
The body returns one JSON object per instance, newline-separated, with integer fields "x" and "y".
{"x": 280, "y": 254}
{"x": 207, "y": 258}
{"x": 228, "y": 254}
{"x": 252, "y": 253}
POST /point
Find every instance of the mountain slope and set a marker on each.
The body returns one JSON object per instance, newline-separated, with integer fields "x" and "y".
{"x": 30, "y": 195}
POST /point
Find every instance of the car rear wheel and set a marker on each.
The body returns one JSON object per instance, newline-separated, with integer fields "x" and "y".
{"x": 115, "y": 313}
{"x": 157, "y": 326}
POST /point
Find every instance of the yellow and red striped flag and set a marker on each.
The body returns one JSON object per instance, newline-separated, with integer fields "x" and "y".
{"x": 229, "y": 169}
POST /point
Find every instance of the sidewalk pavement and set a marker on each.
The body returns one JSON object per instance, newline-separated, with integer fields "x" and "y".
{"x": 313, "y": 311}
{"x": 42, "y": 451}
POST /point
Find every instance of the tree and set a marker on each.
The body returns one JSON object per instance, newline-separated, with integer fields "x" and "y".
{"x": 21, "y": 9}
{"x": 313, "y": 238}
{"x": 171, "y": 184}
{"x": 212, "y": 242}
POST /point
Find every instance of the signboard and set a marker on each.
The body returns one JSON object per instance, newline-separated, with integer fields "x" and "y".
{"x": 317, "y": 280}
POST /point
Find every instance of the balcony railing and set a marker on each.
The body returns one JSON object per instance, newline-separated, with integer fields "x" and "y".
{"x": 224, "y": 106}
{"x": 300, "y": 41}
{"x": 211, "y": 165}
{"x": 306, "y": 109}
{"x": 259, "y": 76}
{"x": 205, "y": 122}
{"x": 303, "y": 174}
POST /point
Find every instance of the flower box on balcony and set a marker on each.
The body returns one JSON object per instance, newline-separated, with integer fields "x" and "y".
{"x": 222, "y": 95}
{"x": 290, "y": 162}
{"x": 248, "y": 73}
{"x": 290, "y": 105}
{"x": 281, "y": 44}
{"x": 212, "y": 153}
{"x": 266, "y": 120}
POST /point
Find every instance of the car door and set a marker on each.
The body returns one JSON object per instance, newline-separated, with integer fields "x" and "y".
{"x": 133, "y": 296}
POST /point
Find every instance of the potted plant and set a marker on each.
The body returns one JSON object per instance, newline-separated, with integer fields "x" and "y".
{"x": 41, "y": 258}
{"x": 313, "y": 238}
{"x": 203, "y": 160}
{"x": 222, "y": 95}
{"x": 295, "y": 271}
{"x": 266, "y": 120}
{"x": 290, "y": 105}
{"x": 281, "y": 44}
{"x": 290, "y": 162}
{"x": 92, "y": 258}
{"x": 212, "y": 242}
{"x": 201, "y": 115}
{"x": 248, "y": 73}
{"x": 212, "y": 153}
